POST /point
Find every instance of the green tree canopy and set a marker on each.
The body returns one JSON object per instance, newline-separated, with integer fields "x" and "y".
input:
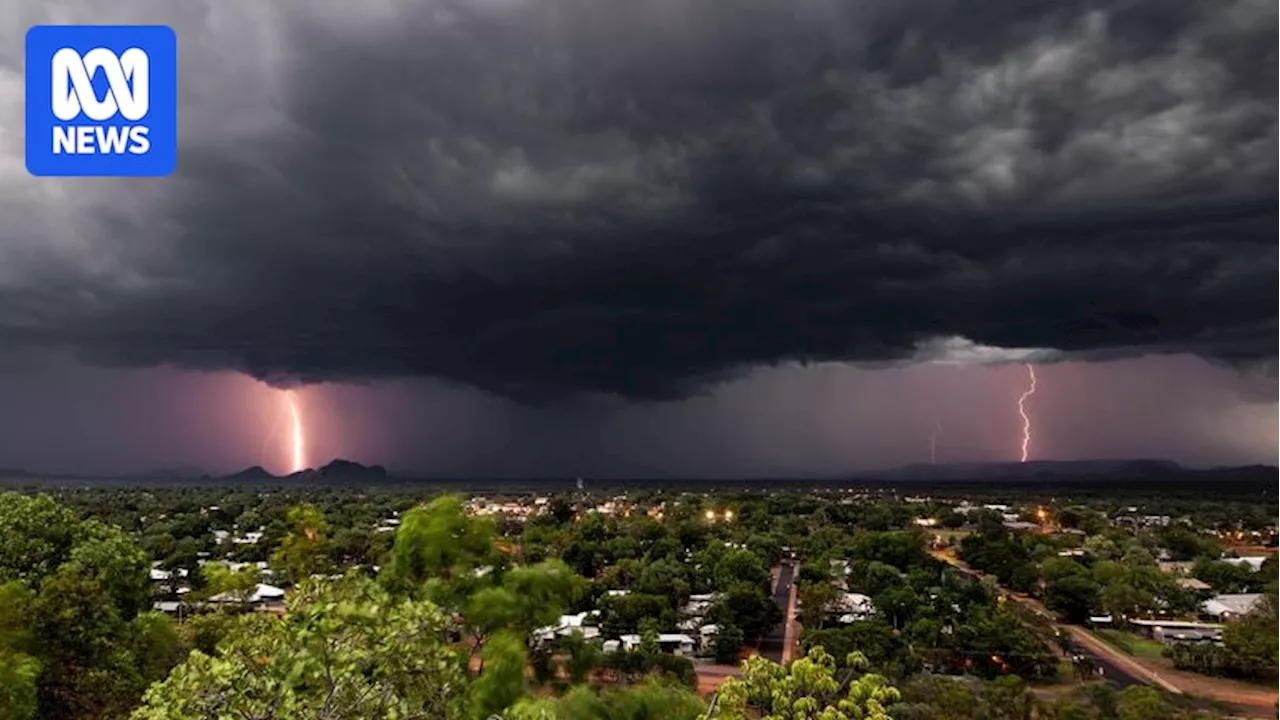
{"x": 807, "y": 688}
{"x": 344, "y": 649}
{"x": 304, "y": 551}
{"x": 74, "y": 640}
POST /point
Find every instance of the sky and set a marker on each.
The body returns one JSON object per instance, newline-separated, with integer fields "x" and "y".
{"x": 528, "y": 237}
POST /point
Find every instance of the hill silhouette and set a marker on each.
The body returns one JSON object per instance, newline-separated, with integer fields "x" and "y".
{"x": 340, "y": 470}
{"x": 250, "y": 474}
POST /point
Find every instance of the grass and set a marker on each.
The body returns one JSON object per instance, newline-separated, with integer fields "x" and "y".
{"x": 1131, "y": 644}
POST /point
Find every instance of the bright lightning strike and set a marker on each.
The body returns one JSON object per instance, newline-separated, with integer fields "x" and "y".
{"x": 1022, "y": 410}
{"x": 299, "y": 445}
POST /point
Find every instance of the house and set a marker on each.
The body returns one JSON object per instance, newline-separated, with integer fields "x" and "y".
{"x": 1193, "y": 584}
{"x": 1230, "y": 606}
{"x": 263, "y": 596}
{"x": 1171, "y": 631}
{"x": 1021, "y": 525}
{"x": 582, "y": 622}
{"x": 852, "y": 607}
{"x": 249, "y": 538}
{"x": 677, "y": 644}
{"x": 1254, "y": 563}
{"x": 168, "y": 581}
{"x": 697, "y": 605}
{"x": 168, "y": 607}
{"x": 707, "y": 637}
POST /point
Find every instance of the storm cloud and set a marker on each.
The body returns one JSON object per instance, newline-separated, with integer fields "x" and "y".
{"x": 545, "y": 197}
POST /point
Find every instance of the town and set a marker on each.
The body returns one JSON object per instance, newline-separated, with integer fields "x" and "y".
{"x": 960, "y": 601}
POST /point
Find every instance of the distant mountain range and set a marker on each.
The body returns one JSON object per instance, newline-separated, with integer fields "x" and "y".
{"x": 346, "y": 472}
{"x": 335, "y": 471}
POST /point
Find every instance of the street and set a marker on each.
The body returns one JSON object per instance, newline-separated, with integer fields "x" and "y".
{"x": 772, "y": 644}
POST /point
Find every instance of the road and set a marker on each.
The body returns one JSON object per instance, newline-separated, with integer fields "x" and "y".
{"x": 1116, "y": 666}
{"x": 1110, "y": 670}
{"x": 772, "y": 644}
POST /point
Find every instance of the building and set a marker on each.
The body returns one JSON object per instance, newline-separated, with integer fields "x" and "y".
{"x": 1193, "y": 584}
{"x": 1254, "y": 563}
{"x": 1230, "y": 606}
{"x": 677, "y": 644}
{"x": 852, "y": 607}
{"x": 263, "y": 597}
{"x": 583, "y": 622}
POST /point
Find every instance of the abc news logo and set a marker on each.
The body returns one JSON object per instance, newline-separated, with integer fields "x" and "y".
{"x": 101, "y": 100}
{"x": 74, "y": 94}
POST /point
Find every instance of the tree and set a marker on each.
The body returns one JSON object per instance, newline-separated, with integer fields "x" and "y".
{"x": 1073, "y": 596}
{"x": 344, "y": 649}
{"x": 1184, "y": 544}
{"x": 502, "y": 682}
{"x": 742, "y": 567}
{"x": 808, "y": 688}
{"x": 439, "y": 542}
{"x": 1225, "y": 577}
{"x": 304, "y": 551}
{"x": 728, "y": 644}
{"x": 529, "y": 597}
{"x": 1139, "y": 702}
{"x": 220, "y": 579}
{"x": 1250, "y": 642}
{"x": 72, "y": 628}
{"x": 746, "y": 608}
{"x": 873, "y": 639}
{"x": 1007, "y": 698}
{"x": 815, "y": 599}
{"x": 651, "y": 699}
{"x": 664, "y": 577}
{"x": 584, "y": 656}
{"x": 18, "y": 673}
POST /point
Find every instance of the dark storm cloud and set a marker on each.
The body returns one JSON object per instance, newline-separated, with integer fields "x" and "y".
{"x": 544, "y": 197}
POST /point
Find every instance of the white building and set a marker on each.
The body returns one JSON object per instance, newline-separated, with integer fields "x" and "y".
{"x": 675, "y": 643}
{"x": 263, "y": 594}
{"x": 1226, "y": 607}
{"x": 583, "y": 622}
{"x": 1254, "y": 563}
{"x": 852, "y": 607}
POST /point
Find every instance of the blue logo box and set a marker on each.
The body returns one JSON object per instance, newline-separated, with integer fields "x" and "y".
{"x": 102, "y": 100}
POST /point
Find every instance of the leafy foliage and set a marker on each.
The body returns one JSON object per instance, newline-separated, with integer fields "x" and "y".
{"x": 807, "y": 688}
{"x": 343, "y": 650}
{"x": 73, "y": 639}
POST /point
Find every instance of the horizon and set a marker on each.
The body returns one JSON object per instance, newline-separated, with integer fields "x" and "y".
{"x": 922, "y": 469}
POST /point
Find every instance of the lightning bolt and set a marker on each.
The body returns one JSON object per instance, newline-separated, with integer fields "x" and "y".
{"x": 933, "y": 442}
{"x": 298, "y": 442}
{"x": 1022, "y": 410}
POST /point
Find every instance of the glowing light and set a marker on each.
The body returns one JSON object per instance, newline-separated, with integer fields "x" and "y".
{"x": 728, "y": 514}
{"x": 298, "y": 441}
{"x": 933, "y": 443}
{"x": 711, "y": 514}
{"x": 1022, "y": 410}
